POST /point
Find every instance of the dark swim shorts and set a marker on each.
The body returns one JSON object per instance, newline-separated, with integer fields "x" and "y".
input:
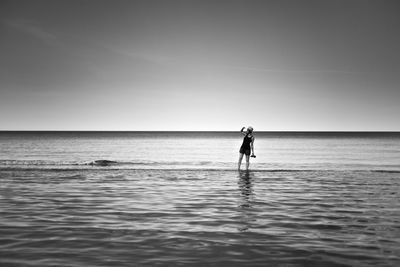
{"x": 244, "y": 151}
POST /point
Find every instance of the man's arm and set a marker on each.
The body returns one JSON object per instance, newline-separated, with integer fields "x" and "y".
{"x": 252, "y": 146}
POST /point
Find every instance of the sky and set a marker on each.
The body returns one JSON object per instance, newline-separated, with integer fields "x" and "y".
{"x": 300, "y": 65}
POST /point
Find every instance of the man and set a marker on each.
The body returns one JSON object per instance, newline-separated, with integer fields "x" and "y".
{"x": 247, "y": 146}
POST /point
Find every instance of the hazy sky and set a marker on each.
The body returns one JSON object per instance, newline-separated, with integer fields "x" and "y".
{"x": 200, "y": 65}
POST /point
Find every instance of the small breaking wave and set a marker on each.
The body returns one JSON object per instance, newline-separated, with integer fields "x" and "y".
{"x": 108, "y": 164}
{"x": 41, "y": 163}
{"x": 102, "y": 162}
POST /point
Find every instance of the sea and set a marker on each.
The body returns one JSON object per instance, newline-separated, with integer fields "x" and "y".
{"x": 178, "y": 199}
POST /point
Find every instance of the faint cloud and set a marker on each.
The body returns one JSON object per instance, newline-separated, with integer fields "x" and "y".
{"x": 150, "y": 57}
{"x": 33, "y": 29}
{"x": 189, "y": 64}
{"x": 272, "y": 70}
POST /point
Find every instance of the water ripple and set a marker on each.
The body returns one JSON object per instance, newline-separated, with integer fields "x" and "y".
{"x": 199, "y": 217}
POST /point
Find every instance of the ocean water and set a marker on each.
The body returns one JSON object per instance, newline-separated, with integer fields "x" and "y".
{"x": 177, "y": 199}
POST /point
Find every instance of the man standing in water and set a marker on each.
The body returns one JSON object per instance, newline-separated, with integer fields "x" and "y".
{"x": 247, "y": 146}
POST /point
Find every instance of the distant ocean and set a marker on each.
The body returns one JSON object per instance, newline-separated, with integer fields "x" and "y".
{"x": 177, "y": 199}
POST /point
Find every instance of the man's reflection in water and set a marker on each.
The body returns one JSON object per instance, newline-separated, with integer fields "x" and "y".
{"x": 246, "y": 194}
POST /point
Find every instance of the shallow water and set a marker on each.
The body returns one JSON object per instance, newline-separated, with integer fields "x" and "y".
{"x": 141, "y": 217}
{"x": 195, "y": 213}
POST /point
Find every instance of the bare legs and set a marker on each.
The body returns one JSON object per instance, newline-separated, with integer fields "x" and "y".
{"x": 240, "y": 160}
{"x": 247, "y": 161}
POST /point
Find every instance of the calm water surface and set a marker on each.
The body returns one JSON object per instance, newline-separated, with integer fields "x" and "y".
{"x": 176, "y": 199}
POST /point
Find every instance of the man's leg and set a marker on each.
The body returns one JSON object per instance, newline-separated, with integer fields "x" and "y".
{"x": 240, "y": 160}
{"x": 247, "y": 161}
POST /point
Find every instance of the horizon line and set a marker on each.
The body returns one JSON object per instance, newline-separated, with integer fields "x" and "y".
{"x": 210, "y": 131}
